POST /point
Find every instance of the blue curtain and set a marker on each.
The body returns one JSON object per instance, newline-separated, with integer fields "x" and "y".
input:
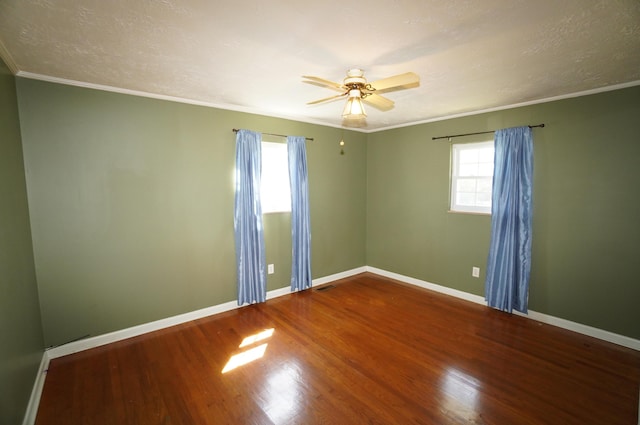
{"x": 250, "y": 252}
{"x": 509, "y": 261}
{"x": 300, "y": 222}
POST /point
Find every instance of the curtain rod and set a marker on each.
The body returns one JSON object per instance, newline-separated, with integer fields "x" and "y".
{"x": 235, "y": 130}
{"x": 480, "y": 132}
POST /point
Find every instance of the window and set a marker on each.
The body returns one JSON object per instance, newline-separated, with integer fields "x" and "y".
{"x": 471, "y": 177}
{"x": 275, "y": 191}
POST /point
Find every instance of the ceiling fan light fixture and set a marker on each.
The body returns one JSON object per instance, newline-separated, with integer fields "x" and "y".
{"x": 354, "y": 108}
{"x": 356, "y": 88}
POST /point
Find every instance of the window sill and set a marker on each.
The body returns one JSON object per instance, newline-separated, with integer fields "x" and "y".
{"x": 469, "y": 212}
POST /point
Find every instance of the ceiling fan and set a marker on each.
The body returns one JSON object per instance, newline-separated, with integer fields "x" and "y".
{"x": 356, "y": 89}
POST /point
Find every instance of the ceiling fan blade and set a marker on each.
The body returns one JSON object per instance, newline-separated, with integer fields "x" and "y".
{"x": 400, "y": 81}
{"x": 326, "y": 99}
{"x": 322, "y": 82}
{"x": 379, "y": 102}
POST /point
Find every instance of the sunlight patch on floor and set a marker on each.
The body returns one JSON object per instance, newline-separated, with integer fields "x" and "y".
{"x": 245, "y": 357}
{"x": 251, "y": 354}
{"x": 257, "y": 337}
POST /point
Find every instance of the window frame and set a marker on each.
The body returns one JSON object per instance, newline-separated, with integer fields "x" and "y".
{"x": 454, "y": 177}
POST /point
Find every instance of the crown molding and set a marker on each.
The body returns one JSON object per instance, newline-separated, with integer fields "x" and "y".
{"x": 517, "y": 105}
{"x": 113, "y": 89}
{"x": 8, "y": 59}
{"x": 254, "y": 111}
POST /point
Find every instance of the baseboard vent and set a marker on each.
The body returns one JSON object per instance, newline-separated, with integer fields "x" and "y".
{"x": 325, "y": 287}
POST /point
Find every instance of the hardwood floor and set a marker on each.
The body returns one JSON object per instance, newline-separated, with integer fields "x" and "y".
{"x": 366, "y": 351}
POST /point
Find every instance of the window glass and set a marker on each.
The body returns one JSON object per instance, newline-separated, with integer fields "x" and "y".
{"x": 471, "y": 177}
{"x": 275, "y": 191}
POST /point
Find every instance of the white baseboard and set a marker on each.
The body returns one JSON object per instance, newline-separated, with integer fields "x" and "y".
{"x": 119, "y": 335}
{"x": 77, "y": 346}
{"x": 614, "y": 338}
{"x": 108, "y": 338}
{"x": 36, "y": 392}
{"x": 427, "y": 285}
{"x": 338, "y": 276}
{"x": 97, "y": 341}
{"x": 540, "y": 317}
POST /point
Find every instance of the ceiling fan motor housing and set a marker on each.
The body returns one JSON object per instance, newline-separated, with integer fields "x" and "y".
{"x": 355, "y": 78}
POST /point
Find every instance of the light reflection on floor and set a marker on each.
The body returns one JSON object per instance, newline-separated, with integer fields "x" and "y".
{"x": 282, "y": 396}
{"x": 461, "y": 395}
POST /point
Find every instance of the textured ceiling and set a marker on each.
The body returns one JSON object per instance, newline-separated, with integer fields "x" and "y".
{"x": 250, "y": 55}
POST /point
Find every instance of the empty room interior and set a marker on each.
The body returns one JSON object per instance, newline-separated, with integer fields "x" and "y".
{"x": 122, "y": 272}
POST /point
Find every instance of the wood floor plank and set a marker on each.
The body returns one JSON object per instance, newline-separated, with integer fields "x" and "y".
{"x": 367, "y": 351}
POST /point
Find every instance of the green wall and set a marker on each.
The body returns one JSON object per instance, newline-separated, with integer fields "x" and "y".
{"x": 131, "y": 204}
{"x": 586, "y": 224}
{"x": 21, "y": 343}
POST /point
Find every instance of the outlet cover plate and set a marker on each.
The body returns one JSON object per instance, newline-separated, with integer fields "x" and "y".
{"x": 475, "y": 272}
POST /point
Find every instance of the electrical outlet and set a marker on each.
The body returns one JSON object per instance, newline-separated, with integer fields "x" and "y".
{"x": 270, "y": 269}
{"x": 475, "y": 271}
